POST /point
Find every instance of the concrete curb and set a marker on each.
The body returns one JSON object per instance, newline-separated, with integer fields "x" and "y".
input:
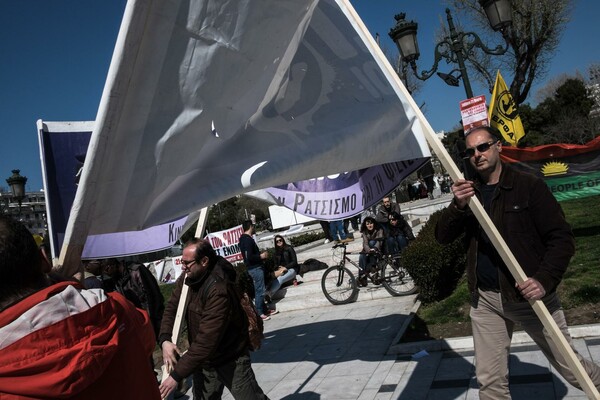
{"x": 403, "y": 328}
{"x": 466, "y": 342}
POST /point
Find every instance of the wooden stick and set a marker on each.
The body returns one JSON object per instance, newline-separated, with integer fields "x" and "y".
{"x": 484, "y": 220}
{"x": 184, "y": 294}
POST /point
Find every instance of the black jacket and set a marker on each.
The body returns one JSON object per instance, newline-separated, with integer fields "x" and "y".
{"x": 531, "y": 222}
{"x": 250, "y": 252}
{"x": 403, "y": 228}
{"x": 287, "y": 258}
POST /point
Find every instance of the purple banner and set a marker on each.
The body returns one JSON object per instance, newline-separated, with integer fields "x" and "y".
{"x": 63, "y": 146}
{"x": 346, "y": 194}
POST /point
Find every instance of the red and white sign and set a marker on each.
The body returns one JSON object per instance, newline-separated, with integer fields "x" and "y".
{"x": 226, "y": 244}
{"x": 473, "y": 112}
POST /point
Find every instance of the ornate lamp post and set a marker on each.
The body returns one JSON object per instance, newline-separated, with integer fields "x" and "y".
{"x": 457, "y": 48}
{"x": 3, "y": 203}
{"x": 17, "y": 185}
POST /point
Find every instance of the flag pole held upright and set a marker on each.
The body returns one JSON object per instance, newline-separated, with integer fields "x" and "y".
{"x": 475, "y": 205}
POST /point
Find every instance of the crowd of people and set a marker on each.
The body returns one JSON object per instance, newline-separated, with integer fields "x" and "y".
{"x": 79, "y": 339}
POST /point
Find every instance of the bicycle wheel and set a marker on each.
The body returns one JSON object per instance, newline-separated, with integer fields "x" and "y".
{"x": 339, "y": 285}
{"x": 396, "y": 279}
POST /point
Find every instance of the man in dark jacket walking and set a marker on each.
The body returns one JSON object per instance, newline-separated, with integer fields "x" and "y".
{"x": 217, "y": 329}
{"x": 534, "y": 227}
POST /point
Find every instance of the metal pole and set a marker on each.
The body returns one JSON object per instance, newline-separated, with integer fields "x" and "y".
{"x": 457, "y": 48}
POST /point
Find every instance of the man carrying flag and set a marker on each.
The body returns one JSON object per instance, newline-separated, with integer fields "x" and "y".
{"x": 503, "y": 113}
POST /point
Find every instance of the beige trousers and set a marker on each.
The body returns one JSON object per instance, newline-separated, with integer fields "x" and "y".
{"x": 493, "y": 324}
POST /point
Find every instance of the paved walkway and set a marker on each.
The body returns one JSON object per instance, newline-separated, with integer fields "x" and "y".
{"x": 351, "y": 352}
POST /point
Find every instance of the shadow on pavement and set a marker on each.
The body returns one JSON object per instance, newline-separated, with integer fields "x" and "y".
{"x": 448, "y": 375}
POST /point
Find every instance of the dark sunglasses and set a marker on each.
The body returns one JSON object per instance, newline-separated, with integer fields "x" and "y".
{"x": 482, "y": 148}
{"x": 393, "y": 219}
{"x": 279, "y": 240}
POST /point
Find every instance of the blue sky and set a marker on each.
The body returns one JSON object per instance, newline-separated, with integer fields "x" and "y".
{"x": 55, "y": 56}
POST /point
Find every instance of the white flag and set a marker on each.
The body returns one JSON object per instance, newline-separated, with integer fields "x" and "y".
{"x": 291, "y": 87}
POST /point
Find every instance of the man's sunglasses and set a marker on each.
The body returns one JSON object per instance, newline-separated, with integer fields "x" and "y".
{"x": 482, "y": 148}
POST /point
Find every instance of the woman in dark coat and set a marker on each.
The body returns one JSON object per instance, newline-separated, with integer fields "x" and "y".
{"x": 399, "y": 234}
{"x": 286, "y": 264}
{"x": 372, "y": 235}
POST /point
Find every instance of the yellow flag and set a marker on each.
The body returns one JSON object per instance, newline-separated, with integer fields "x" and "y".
{"x": 504, "y": 114}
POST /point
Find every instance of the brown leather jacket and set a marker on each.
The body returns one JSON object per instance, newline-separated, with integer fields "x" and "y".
{"x": 531, "y": 222}
{"x": 217, "y": 325}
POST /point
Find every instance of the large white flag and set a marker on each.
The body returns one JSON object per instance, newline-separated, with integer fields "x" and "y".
{"x": 208, "y": 99}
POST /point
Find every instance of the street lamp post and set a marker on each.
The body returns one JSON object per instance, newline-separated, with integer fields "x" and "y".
{"x": 17, "y": 185}
{"x": 3, "y": 204}
{"x": 457, "y": 47}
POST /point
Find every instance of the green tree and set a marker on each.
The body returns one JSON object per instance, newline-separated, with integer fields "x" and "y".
{"x": 235, "y": 210}
{"x": 562, "y": 118}
{"x": 533, "y": 125}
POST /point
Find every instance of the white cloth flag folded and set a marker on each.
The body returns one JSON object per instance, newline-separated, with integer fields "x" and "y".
{"x": 208, "y": 99}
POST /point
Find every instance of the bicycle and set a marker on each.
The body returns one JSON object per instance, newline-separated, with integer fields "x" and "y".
{"x": 340, "y": 286}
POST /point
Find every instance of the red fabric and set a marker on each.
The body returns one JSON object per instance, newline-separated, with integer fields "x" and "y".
{"x": 100, "y": 353}
{"x": 516, "y": 154}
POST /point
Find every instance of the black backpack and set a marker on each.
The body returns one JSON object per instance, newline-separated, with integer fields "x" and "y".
{"x": 312, "y": 264}
{"x": 140, "y": 287}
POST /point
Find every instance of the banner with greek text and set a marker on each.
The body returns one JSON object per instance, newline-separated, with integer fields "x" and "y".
{"x": 226, "y": 244}
{"x": 343, "y": 195}
{"x": 571, "y": 171}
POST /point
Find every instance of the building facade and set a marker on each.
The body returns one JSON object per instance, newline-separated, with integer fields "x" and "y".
{"x": 32, "y": 213}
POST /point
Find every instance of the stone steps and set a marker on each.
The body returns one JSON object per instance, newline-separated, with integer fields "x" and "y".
{"x": 308, "y": 293}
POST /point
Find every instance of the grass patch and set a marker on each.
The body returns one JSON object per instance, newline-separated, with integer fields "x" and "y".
{"x": 580, "y": 285}
{"x": 453, "y": 308}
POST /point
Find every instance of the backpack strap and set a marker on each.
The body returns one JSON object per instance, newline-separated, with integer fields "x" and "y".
{"x": 212, "y": 280}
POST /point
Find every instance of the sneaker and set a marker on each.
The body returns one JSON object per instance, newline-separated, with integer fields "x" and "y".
{"x": 273, "y": 312}
{"x": 362, "y": 281}
{"x": 265, "y": 317}
{"x": 348, "y": 239}
{"x": 326, "y": 241}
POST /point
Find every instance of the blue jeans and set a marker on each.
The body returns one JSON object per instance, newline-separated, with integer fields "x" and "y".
{"x": 337, "y": 228}
{"x": 276, "y": 284}
{"x": 366, "y": 261}
{"x": 395, "y": 244}
{"x": 258, "y": 276}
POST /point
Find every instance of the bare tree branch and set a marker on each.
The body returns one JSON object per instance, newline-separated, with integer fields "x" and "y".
{"x": 533, "y": 38}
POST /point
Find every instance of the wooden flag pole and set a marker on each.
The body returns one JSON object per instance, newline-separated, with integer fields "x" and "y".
{"x": 517, "y": 272}
{"x": 184, "y": 293}
{"x": 484, "y": 220}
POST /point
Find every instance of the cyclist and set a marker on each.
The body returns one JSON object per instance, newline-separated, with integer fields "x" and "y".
{"x": 372, "y": 235}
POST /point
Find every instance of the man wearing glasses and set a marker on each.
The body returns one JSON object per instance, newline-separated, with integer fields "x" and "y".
{"x": 385, "y": 211}
{"x": 534, "y": 227}
{"x": 218, "y": 355}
